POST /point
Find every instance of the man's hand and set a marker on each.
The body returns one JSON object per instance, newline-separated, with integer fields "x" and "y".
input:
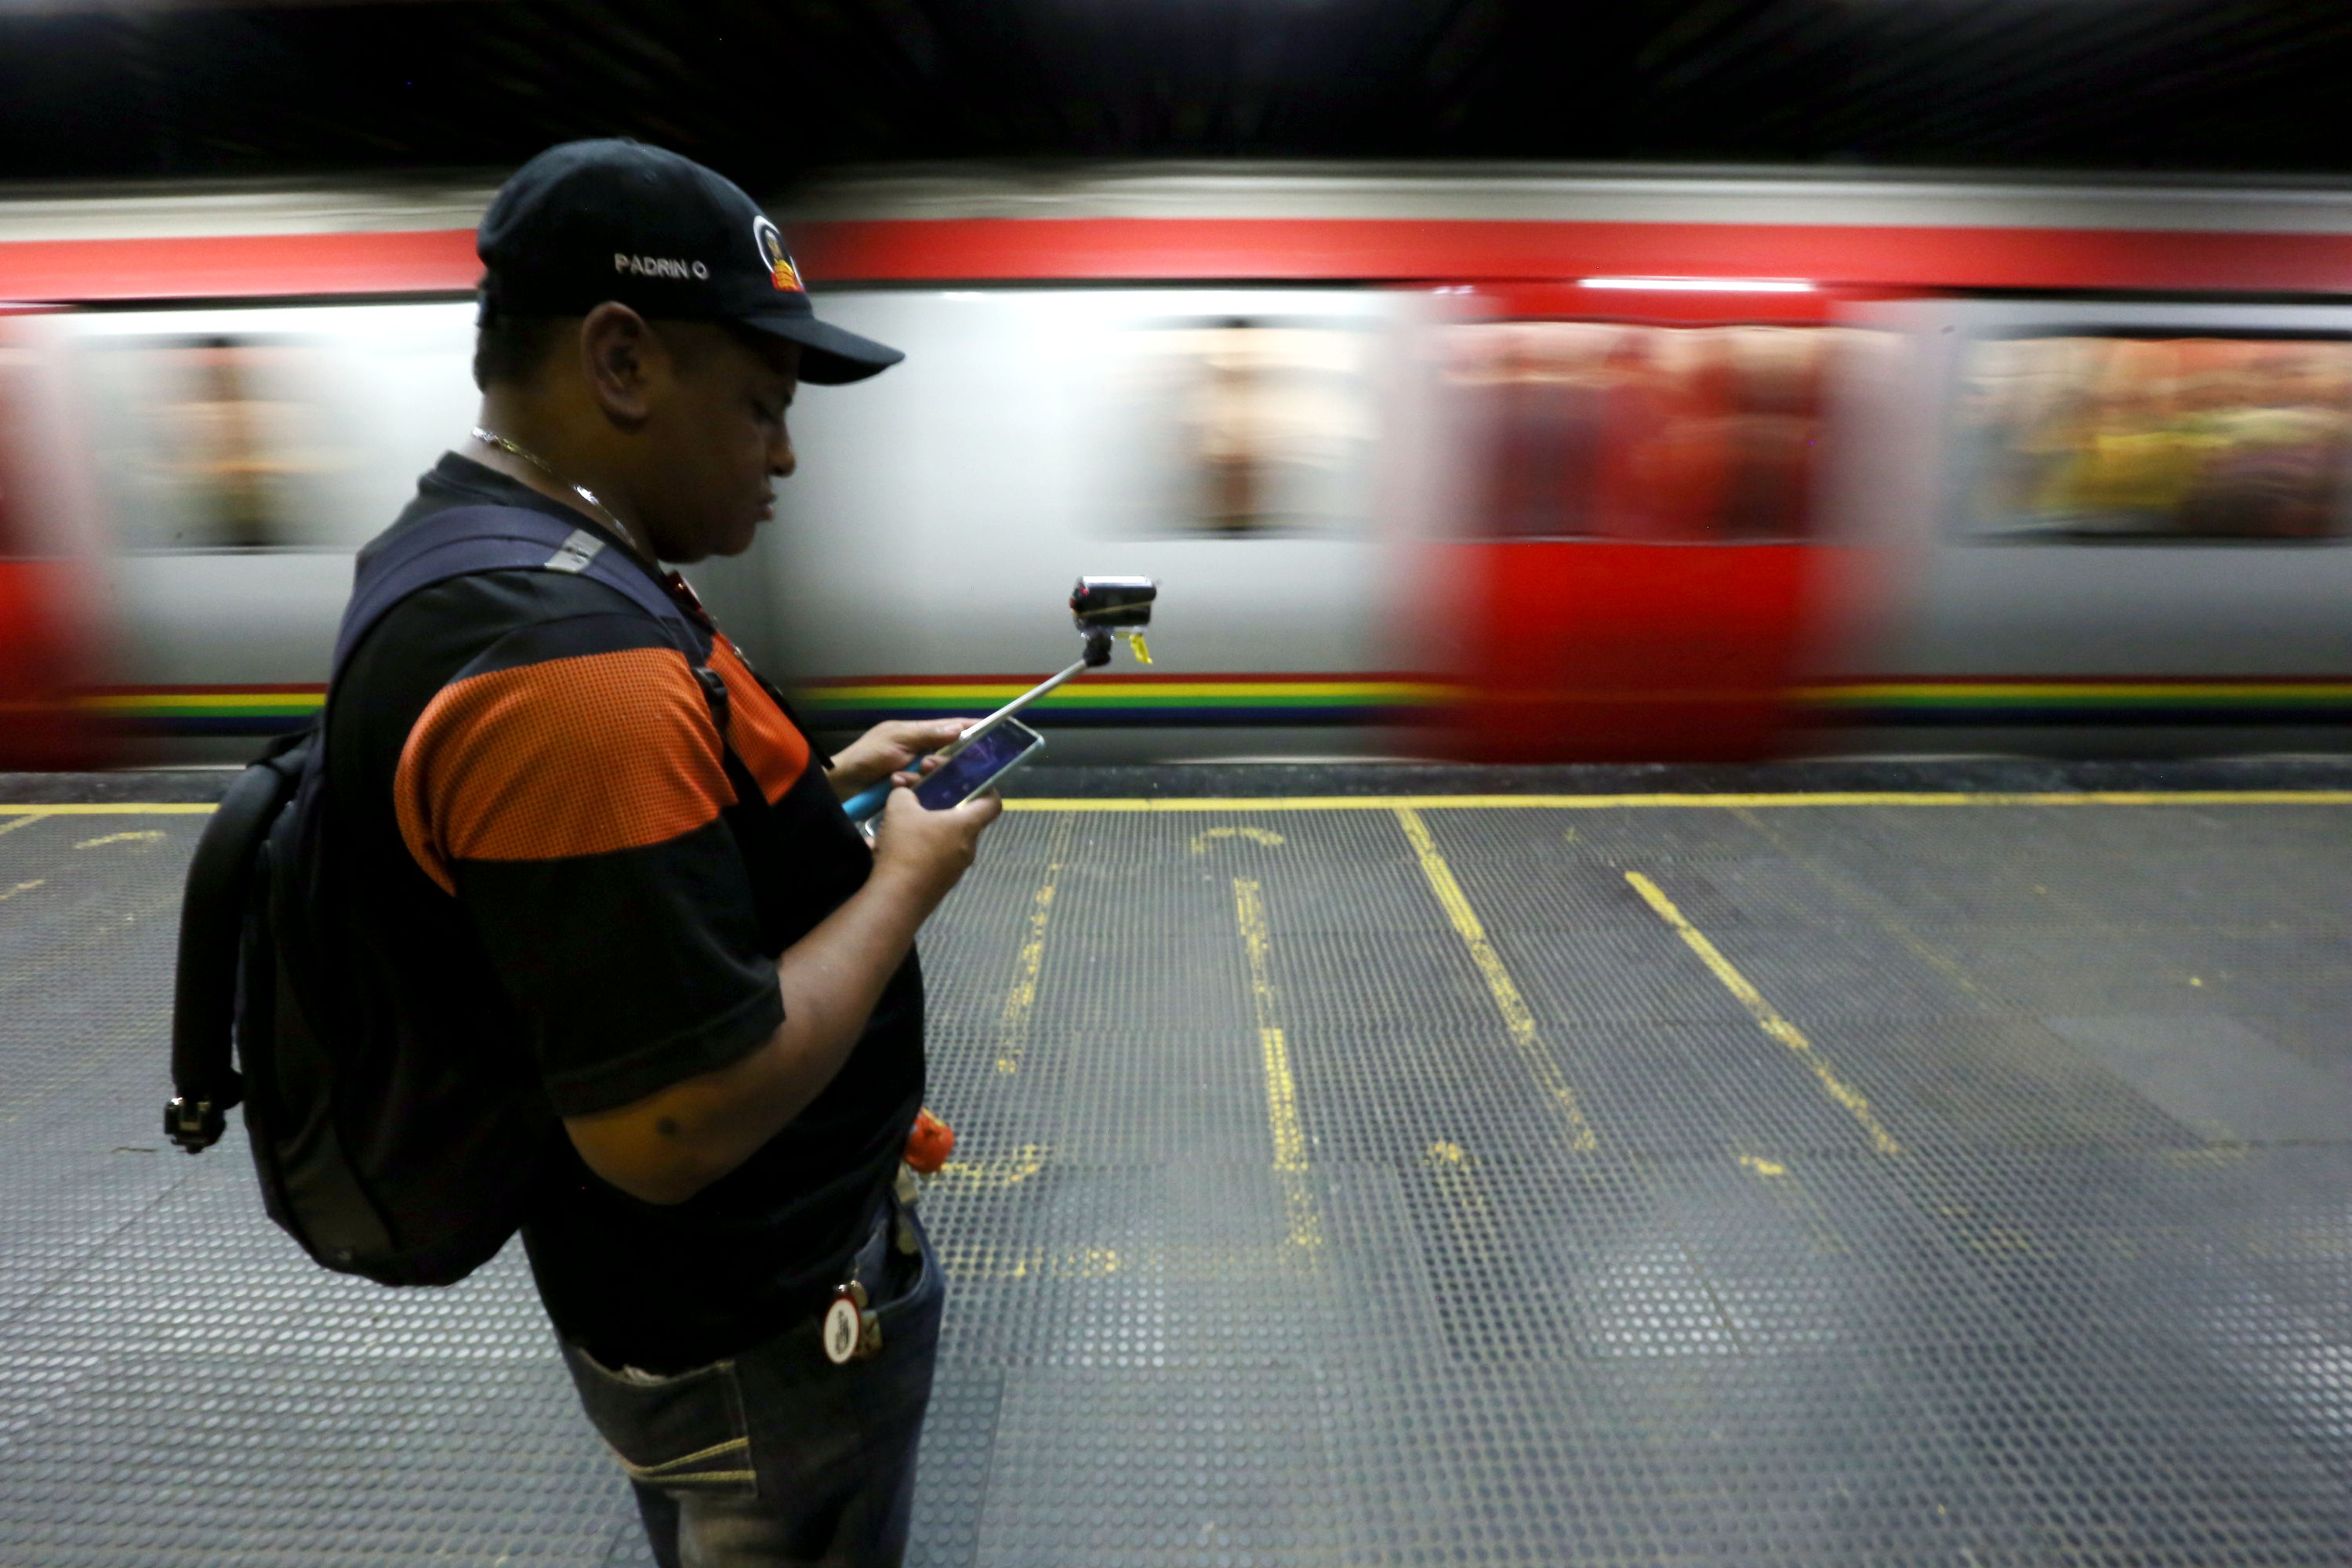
{"x": 894, "y": 750}
{"x": 931, "y": 851}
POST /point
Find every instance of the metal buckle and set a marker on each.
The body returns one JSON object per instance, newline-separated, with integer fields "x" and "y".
{"x": 195, "y": 1125}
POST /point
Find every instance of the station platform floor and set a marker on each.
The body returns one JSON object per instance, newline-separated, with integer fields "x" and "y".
{"x": 1899, "y": 1164}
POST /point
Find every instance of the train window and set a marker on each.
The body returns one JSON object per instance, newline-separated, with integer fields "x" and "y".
{"x": 1272, "y": 422}
{"x": 210, "y": 442}
{"x": 1614, "y": 430}
{"x": 2087, "y": 437}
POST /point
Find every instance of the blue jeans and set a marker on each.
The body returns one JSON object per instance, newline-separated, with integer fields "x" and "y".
{"x": 778, "y": 1455}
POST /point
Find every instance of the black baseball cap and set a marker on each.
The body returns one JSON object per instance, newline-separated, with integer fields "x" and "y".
{"x": 591, "y": 221}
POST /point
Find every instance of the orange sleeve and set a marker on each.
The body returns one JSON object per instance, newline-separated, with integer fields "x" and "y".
{"x": 572, "y": 756}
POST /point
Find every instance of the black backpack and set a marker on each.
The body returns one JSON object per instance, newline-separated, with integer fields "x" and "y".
{"x": 257, "y": 968}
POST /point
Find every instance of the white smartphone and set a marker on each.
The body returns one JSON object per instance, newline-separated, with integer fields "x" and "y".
{"x": 980, "y": 764}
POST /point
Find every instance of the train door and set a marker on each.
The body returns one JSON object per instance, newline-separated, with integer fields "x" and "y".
{"x": 1629, "y": 563}
{"x": 2128, "y": 521}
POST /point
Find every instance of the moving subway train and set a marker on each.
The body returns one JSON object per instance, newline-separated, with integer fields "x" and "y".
{"x": 1497, "y": 464}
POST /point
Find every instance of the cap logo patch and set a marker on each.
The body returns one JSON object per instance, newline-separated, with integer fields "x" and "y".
{"x": 773, "y": 257}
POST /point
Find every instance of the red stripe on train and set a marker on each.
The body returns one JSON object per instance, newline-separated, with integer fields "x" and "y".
{"x": 1140, "y": 250}
{"x": 59, "y": 271}
{"x": 978, "y": 250}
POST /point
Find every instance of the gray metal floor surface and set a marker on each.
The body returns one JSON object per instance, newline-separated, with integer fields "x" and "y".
{"x": 1744, "y": 1182}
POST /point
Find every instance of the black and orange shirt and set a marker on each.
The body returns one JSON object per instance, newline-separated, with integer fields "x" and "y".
{"x": 559, "y": 878}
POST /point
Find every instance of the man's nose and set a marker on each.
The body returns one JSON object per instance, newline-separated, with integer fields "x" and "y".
{"x": 781, "y": 459}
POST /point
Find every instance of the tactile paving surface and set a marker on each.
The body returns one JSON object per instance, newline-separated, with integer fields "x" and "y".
{"x": 1346, "y": 1187}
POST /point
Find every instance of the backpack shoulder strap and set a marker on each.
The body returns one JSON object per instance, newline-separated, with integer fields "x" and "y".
{"x": 205, "y": 1080}
{"x": 465, "y": 540}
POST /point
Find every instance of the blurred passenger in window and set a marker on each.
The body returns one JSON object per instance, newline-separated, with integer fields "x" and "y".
{"x": 2117, "y": 437}
{"x": 1612, "y": 430}
{"x": 217, "y": 443}
{"x": 1274, "y": 421}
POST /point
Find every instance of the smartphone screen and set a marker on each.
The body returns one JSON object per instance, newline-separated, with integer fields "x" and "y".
{"x": 976, "y": 764}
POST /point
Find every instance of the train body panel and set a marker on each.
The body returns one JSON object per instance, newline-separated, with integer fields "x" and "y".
{"x": 2025, "y": 521}
{"x": 2098, "y": 524}
{"x": 1991, "y": 594}
{"x": 1065, "y": 432}
{"x": 240, "y": 455}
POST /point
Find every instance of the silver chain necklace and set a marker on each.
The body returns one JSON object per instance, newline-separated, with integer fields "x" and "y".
{"x": 492, "y": 439}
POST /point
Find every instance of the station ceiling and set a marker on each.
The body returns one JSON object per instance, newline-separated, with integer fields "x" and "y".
{"x": 767, "y": 90}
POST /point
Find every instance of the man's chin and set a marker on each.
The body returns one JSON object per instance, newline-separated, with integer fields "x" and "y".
{"x": 687, "y": 552}
{"x": 738, "y": 542}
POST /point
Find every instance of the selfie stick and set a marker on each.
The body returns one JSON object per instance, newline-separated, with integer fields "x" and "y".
{"x": 1098, "y": 605}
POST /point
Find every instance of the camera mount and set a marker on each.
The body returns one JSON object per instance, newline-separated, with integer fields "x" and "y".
{"x": 1101, "y": 608}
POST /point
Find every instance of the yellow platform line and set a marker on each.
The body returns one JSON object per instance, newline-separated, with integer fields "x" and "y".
{"x": 109, "y": 809}
{"x": 1766, "y": 1016}
{"x": 1493, "y": 802}
{"x": 1013, "y": 1020}
{"x": 1281, "y": 1085}
{"x": 1518, "y": 1020}
{"x": 1691, "y": 802}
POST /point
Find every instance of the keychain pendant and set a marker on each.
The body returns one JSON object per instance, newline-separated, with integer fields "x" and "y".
{"x": 849, "y": 1332}
{"x": 841, "y": 1330}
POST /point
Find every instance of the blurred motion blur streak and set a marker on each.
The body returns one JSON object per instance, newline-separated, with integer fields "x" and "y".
{"x": 49, "y": 643}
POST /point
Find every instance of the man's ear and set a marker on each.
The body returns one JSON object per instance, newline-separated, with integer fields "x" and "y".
{"x": 621, "y": 360}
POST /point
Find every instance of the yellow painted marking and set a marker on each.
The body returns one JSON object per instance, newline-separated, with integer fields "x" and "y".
{"x": 1282, "y": 1104}
{"x": 1983, "y": 1233}
{"x": 1766, "y": 1016}
{"x": 23, "y": 888}
{"x": 970, "y": 1262}
{"x": 1102, "y": 688}
{"x": 1517, "y": 1021}
{"x": 2031, "y": 689}
{"x": 145, "y": 836}
{"x": 1492, "y": 801}
{"x": 15, "y": 823}
{"x": 2217, "y": 1156}
{"x": 1763, "y": 1167}
{"x": 109, "y": 809}
{"x": 1265, "y": 835}
{"x": 1690, "y": 802}
{"x": 1003, "y": 1170}
{"x": 1013, "y": 1019}
{"x": 196, "y": 701}
{"x": 1469, "y": 1211}
{"x": 1281, "y": 1087}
